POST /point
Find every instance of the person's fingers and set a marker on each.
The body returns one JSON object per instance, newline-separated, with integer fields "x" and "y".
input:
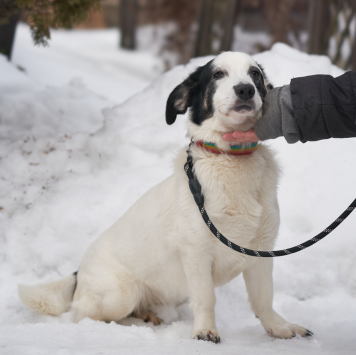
{"x": 249, "y": 136}
{"x": 228, "y": 137}
{"x": 242, "y": 137}
{"x": 236, "y": 137}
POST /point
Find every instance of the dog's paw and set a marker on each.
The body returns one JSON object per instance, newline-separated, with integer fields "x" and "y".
{"x": 148, "y": 317}
{"x": 277, "y": 326}
{"x": 207, "y": 335}
{"x": 288, "y": 330}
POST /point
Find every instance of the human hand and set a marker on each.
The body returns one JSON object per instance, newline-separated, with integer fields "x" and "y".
{"x": 242, "y": 137}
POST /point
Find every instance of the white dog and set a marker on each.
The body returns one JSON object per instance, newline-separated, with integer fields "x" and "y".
{"x": 160, "y": 251}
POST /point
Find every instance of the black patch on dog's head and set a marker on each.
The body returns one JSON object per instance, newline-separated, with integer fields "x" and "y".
{"x": 197, "y": 92}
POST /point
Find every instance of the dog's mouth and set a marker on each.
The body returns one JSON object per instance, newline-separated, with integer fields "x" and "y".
{"x": 243, "y": 108}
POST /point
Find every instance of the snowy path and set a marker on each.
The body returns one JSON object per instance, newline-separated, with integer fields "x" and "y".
{"x": 61, "y": 186}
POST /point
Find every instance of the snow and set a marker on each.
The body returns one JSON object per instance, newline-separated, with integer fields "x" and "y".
{"x": 93, "y": 55}
{"x": 66, "y": 175}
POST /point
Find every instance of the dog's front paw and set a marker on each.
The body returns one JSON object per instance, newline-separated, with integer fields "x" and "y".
{"x": 289, "y": 330}
{"x": 277, "y": 326}
{"x": 207, "y": 335}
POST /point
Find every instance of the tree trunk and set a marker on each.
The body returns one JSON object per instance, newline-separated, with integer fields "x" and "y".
{"x": 128, "y": 14}
{"x": 203, "y": 43}
{"x": 7, "y": 35}
{"x": 318, "y": 26}
{"x": 352, "y": 59}
{"x": 228, "y": 24}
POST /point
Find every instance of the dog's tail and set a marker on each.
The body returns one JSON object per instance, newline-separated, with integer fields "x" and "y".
{"x": 52, "y": 298}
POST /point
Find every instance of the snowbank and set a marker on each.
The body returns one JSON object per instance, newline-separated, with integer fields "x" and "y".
{"x": 61, "y": 185}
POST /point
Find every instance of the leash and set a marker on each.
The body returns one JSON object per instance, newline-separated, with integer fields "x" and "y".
{"x": 195, "y": 189}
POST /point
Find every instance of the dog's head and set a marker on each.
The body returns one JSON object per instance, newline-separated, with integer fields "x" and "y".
{"x": 225, "y": 95}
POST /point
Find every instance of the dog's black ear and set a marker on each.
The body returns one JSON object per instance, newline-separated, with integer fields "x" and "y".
{"x": 266, "y": 83}
{"x": 183, "y": 95}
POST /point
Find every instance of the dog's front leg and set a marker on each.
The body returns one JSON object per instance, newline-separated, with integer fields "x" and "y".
{"x": 202, "y": 297}
{"x": 259, "y": 285}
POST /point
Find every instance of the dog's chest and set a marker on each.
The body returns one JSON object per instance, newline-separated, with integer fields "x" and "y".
{"x": 232, "y": 189}
{"x": 232, "y": 185}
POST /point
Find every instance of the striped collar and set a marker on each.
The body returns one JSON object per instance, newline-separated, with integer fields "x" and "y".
{"x": 236, "y": 149}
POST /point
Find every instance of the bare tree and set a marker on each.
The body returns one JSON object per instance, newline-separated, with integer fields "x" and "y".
{"x": 228, "y": 24}
{"x": 181, "y": 41}
{"x": 352, "y": 59}
{"x": 41, "y": 16}
{"x": 203, "y": 42}
{"x": 10, "y": 15}
{"x": 318, "y": 26}
{"x": 278, "y": 15}
{"x": 128, "y": 17}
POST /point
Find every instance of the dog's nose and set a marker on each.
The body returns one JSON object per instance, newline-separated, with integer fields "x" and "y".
{"x": 244, "y": 91}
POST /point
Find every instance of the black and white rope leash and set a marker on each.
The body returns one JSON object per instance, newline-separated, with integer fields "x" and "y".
{"x": 195, "y": 189}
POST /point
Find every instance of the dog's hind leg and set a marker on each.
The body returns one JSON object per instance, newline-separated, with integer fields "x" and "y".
{"x": 106, "y": 296}
{"x": 147, "y": 317}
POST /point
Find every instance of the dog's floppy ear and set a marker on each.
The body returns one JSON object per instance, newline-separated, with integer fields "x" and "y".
{"x": 266, "y": 82}
{"x": 182, "y": 96}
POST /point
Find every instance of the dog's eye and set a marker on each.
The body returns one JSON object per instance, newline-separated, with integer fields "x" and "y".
{"x": 218, "y": 74}
{"x": 255, "y": 73}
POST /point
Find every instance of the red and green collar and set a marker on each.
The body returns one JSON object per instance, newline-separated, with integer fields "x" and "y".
{"x": 236, "y": 149}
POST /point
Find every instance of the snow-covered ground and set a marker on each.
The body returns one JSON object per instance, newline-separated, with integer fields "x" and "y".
{"x": 94, "y": 56}
{"x": 66, "y": 175}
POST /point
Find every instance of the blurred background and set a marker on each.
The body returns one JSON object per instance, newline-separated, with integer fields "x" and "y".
{"x": 179, "y": 30}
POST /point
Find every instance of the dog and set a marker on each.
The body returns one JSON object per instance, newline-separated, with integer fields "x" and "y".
{"x": 160, "y": 251}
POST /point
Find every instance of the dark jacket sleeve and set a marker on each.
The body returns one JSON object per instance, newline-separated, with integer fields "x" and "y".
{"x": 324, "y": 106}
